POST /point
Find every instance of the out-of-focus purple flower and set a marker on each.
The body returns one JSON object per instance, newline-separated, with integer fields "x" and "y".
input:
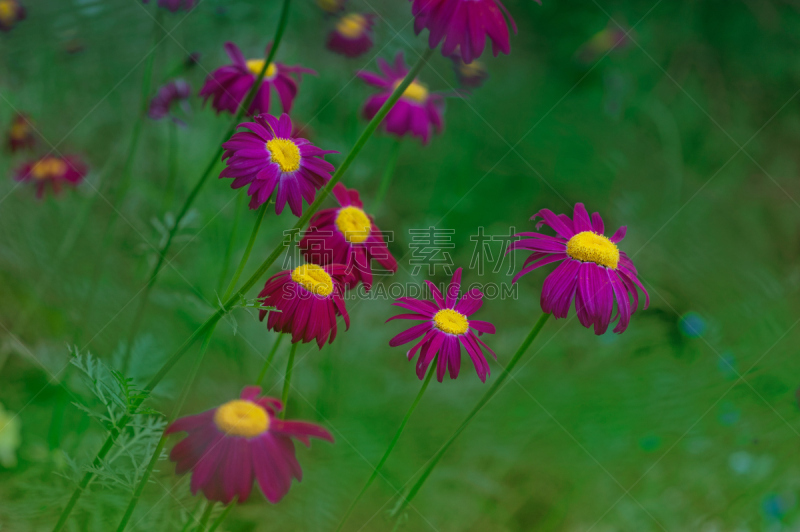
{"x": 418, "y": 112}
{"x": 228, "y": 86}
{"x": 175, "y": 5}
{"x": 52, "y": 171}
{"x": 11, "y": 12}
{"x": 352, "y": 35}
{"x": 20, "y": 134}
{"x": 612, "y": 37}
{"x": 470, "y": 75}
{"x": 464, "y": 25}
{"x": 174, "y": 94}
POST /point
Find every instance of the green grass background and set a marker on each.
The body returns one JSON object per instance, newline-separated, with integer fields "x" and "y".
{"x": 688, "y": 136}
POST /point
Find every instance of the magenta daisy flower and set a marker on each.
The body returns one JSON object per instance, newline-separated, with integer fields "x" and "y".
{"x": 11, "y": 12}
{"x": 20, "y": 134}
{"x": 176, "y": 93}
{"x": 228, "y": 86}
{"x": 175, "y": 5}
{"x": 348, "y": 236}
{"x": 593, "y": 271}
{"x": 239, "y": 442}
{"x": 445, "y": 328}
{"x": 464, "y": 25}
{"x": 352, "y": 35}
{"x": 268, "y": 157}
{"x": 52, "y": 171}
{"x": 307, "y": 301}
{"x": 416, "y": 113}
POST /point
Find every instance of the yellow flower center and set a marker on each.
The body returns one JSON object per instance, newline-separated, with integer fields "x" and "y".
{"x": 286, "y": 153}
{"x": 19, "y": 130}
{"x": 8, "y": 11}
{"x": 241, "y": 418}
{"x": 255, "y": 66}
{"x": 451, "y": 322}
{"x": 48, "y": 167}
{"x": 416, "y": 91}
{"x": 351, "y": 26}
{"x": 469, "y": 70}
{"x": 314, "y": 279}
{"x": 591, "y": 247}
{"x": 354, "y": 224}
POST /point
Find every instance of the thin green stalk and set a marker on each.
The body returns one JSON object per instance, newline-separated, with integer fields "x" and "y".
{"x": 287, "y": 380}
{"x": 218, "y": 521}
{"x": 188, "y": 523}
{"x": 388, "y": 173}
{"x": 243, "y": 107}
{"x": 389, "y": 449}
{"x": 204, "y": 518}
{"x": 137, "y": 493}
{"x": 268, "y": 362}
{"x": 493, "y": 389}
{"x": 228, "y": 305}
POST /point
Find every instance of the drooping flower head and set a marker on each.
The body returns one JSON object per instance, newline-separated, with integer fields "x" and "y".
{"x": 174, "y": 94}
{"x": 52, "y": 171}
{"x": 308, "y": 299}
{"x": 464, "y": 25}
{"x": 348, "y": 236}
{"x": 352, "y": 35}
{"x": 445, "y": 328}
{"x": 228, "y": 86}
{"x": 418, "y": 111}
{"x": 20, "y": 134}
{"x": 592, "y": 271}
{"x": 470, "y": 75}
{"x": 11, "y": 12}
{"x": 175, "y": 5}
{"x": 266, "y": 156}
{"x": 229, "y": 447}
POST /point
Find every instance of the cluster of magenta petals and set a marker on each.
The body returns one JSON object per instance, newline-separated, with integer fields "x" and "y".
{"x": 224, "y": 466}
{"x": 301, "y": 313}
{"x": 228, "y": 86}
{"x": 353, "y": 46}
{"x": 250, "y": 164}
{"x": 175, "y": 5}
{"x": 435, "y": 341}
{"x": 464, "y": 25}
{"x": 75, "y": 171}
{"x": 324, "y": 243}
{"x": 593, "y": 287}
{"x": 407, "y": 117}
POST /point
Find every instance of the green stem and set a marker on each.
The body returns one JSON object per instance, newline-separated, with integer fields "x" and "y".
{"x": 204, "y": 518}
{"x": 287, "y": 380}
{"x": 218, "y": 521}
{"x": 268, "y": 362}
{"x": 493, "y": 389}
{"x": 162, "y": 253}
{"x": 190, "y": 517}
{"x": 251, "y": 281}
{"x": 388, "y": 173}
{"x": 389, "y": 449}
{"x": 137, "y": 493}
